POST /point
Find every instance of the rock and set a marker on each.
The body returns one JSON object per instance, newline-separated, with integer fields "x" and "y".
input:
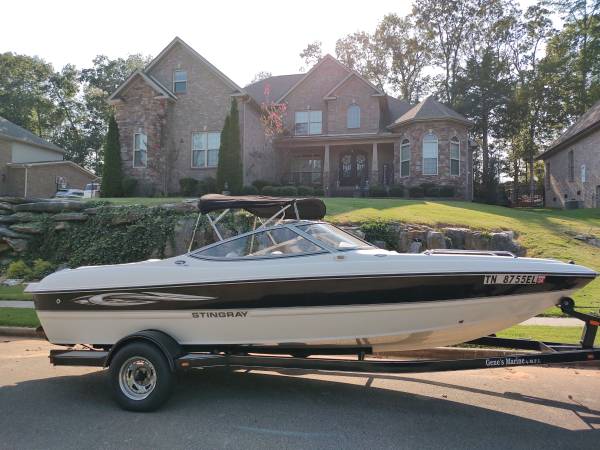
{"x": 581, "y": 237}
{"x": 503, "y": 242}
{"x": 415, "y": 246}
{"x": 380, "y": 244}
{"x": 182, "y": 235}
{"x": 183, "y": 207}
{"x": 126, "y": 217}
{"x": 18, "y": 245}
{"x": 52, "y": 206}
{"x": 5, "y": 212}
{"x": 28, "y": 228}
{"x": 4, "y": 246}
{"x": 26, "y": 217}
{"x": 8, "y": 219}
{"x": 61, "y": 226}
{"x": 92, "y": 211}
{"x": 403, "y": 243}
{"x": 477, "y": 241}
{"x": 457, "y": 236}
{"x": 435, "y": 239}
{"x": 8, "y": 233}
{"x": 19, "y": 200}
{"x": 74, "y": 216}
{"x": 6, "y": 206}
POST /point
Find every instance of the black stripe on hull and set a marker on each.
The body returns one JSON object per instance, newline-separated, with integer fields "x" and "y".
{"x": 315, "y": 292}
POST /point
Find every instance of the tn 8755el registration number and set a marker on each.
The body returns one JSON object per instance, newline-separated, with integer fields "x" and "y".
{"x": 513, "y": 278}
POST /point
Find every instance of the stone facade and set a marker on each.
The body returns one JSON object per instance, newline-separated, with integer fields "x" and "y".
{"x": 560, "y": 188}
{"x": 339, "y": 158}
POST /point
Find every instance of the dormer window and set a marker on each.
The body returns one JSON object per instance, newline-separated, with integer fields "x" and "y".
{"x": 353, "y": 116}
{"x": 179, "y": 81}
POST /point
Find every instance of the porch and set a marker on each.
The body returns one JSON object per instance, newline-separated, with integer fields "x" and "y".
{"x": 340, "y": 168}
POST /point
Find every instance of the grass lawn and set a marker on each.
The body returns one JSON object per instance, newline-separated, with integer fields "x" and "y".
{"x": 14, "y": 293}
{"x": 146, "y": 201}
{"x": 19, "y": 317}
{"x": 570, "y": 335}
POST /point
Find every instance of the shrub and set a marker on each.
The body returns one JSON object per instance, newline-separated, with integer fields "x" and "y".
{"x": 250, "y": 190}
{"x": 189, "y": 186}
{"x": 288, "y": 191}
{"x": 112, "y": 177}
{"x": 306, "y": 190}
{"x": 41, "y": 268}
{"x": 397, "y": 190}
{"x": 269, "y": 190}
{"x": 447, "y": 191}
{"x": 380, "y": 230}
{"x": 260, "y": 184}
{"x": 209, "y": 185}
{"x": 377, "y": 190}
{"x": 129, "y": 184}
{"x": 319, "y": 191}
{"x": 430, "y": 190}
{"x": 229, "y": 168}
{"x": 18, "y": 269}
{"x": 416, "y": 192}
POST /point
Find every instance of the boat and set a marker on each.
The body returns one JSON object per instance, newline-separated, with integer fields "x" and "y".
{"x": 297, "y": 283}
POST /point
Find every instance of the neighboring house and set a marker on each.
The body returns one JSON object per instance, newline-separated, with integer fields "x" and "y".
{"x": 573, "y": 164}
{"x": 33, "y": 167}
{"x": 341, "y": 131}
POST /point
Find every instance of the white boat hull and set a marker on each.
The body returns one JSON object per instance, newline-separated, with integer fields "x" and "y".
{"x": 405, "y": 326}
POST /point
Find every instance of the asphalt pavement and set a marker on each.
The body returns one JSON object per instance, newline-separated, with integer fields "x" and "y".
{"x": 45, "y": 407}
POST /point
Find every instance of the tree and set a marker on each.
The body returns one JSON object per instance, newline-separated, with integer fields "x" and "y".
{"x": 112, "y": 179}
{"x": 311, "y": 55}
{"x": 229, "y": 171}
{"x": 448, "y": 25}
{"x": 360, "y": 52}
{"x": 262, "y": 75}
{"x": 409, "y": 52}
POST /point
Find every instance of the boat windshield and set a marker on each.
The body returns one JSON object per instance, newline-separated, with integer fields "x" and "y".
{"x": 333, "y": 236}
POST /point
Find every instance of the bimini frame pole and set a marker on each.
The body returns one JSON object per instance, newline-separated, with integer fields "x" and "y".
{"x": 213, "y": 224}
{"x": 274, "y": 216}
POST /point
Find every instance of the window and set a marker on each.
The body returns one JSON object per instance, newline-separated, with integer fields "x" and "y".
{"x": 140, "y": 150}
{"x": 571, "y": 166}
{"x": 353, "y": 116}
{"x": 583, "y": 173}
{"x": 205, "y": 149}
{"x": 430, "y": 154}
{"x": 308, "y": 122}
{"x": 306, "y": 170}
{"x": 454, "y": 156}
{"x": 405, "y": 158}
{"x": 333, "y": 236}
{"x": 179, "y": 81}
{"x": 277, "y": 242}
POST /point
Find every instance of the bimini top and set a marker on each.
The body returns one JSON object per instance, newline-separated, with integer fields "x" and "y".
{"x": 308, "y": 208}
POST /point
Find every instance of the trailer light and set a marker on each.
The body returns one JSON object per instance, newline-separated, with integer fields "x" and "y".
{"x": 590, "y": 356}
{"x": 184, "y": 364}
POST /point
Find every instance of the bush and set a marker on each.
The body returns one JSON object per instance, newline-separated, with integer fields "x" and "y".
{"x": 269, "y": 191}
{"x": 18, "y": 269}
{"x": 260, "y": 184}
{"x": 447, "y": 191}
{"x": 189, "y": 186}
{"x": 416, "y": 192}
{"x": 250, "y": 190}
{"x": 377, "y": 190}
{"x": 129, "y": 184}
{"x": 319, "y": 191}
{"x": 430, "y": 190}
{"x": 397, "y": 190}
{"x": 288, "y": 191}
{"x": 380, "y": 230}
{"x": 208, "y": 185}
{"x": 41, "y": 269}
{"x": 306, "y": 191}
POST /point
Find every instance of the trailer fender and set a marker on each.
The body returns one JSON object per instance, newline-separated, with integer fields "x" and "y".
{"x": 165, "y": 343}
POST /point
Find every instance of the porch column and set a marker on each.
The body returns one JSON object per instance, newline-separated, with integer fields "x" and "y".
{"x": 326, "y": 170}
{"x": 375, "y": 166}
{"x": 396, "y": 162}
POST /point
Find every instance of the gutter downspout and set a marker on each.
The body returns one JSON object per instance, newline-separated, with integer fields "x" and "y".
{"x": 26, "y": 179}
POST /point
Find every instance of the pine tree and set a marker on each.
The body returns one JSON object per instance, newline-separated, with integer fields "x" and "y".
{"x": 230, "y": 169}
{"x": 112, "y": 177}
{"x": 222, "y": 168}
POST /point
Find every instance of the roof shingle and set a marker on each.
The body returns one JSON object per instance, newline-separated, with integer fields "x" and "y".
{"x": 14, "y": 131}
{"x": 429, "y": 109}
{"x": 278, "y": 85}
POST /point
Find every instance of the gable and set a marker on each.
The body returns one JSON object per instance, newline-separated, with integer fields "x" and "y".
{"x": 353, "y": 82}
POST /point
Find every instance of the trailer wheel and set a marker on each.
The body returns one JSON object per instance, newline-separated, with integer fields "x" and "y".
{"x": 141, "y": 378}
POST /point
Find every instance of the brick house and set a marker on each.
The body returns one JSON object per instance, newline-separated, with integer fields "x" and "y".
{"x": 341, "y": 131}
{"x": 33, "y": 167}
{"x": 573, "y": 164}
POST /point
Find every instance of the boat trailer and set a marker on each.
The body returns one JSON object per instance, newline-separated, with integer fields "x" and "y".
{"x": 253, "y": 357}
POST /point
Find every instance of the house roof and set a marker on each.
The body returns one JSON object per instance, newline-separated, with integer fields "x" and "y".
{"x": 278, "y": 85}
{"x": 178, "y": 40}
{"x": 160, "y": 88}
{"x": 429, "y": 109}
{"x": 149, "y": 80}
{"x": 397, "y": 107}
{"x": 588, "y": 122}
{"x": 351, "y": 74}
{"x": 14, "y": 132}
{"x": 53, "y": 163}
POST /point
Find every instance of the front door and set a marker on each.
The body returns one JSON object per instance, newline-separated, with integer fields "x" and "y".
{"x": 353, "y": 168}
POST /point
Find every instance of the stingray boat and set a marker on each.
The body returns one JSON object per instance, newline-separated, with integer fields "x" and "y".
{"x": 296, "y": 282}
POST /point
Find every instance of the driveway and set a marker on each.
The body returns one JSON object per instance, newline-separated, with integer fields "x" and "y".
{"x": 68, "y": 407}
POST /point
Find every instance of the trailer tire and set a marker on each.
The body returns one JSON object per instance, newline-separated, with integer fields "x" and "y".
{"x": 141, "y": 377}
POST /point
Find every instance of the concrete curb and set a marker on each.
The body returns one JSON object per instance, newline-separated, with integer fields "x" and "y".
{"x": 22, "y": 332}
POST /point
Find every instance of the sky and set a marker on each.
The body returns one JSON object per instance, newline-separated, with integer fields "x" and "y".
{"x": 241, "y": 38}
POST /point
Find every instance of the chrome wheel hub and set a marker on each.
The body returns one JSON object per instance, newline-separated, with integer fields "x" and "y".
{"x": 137, "y": 378}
